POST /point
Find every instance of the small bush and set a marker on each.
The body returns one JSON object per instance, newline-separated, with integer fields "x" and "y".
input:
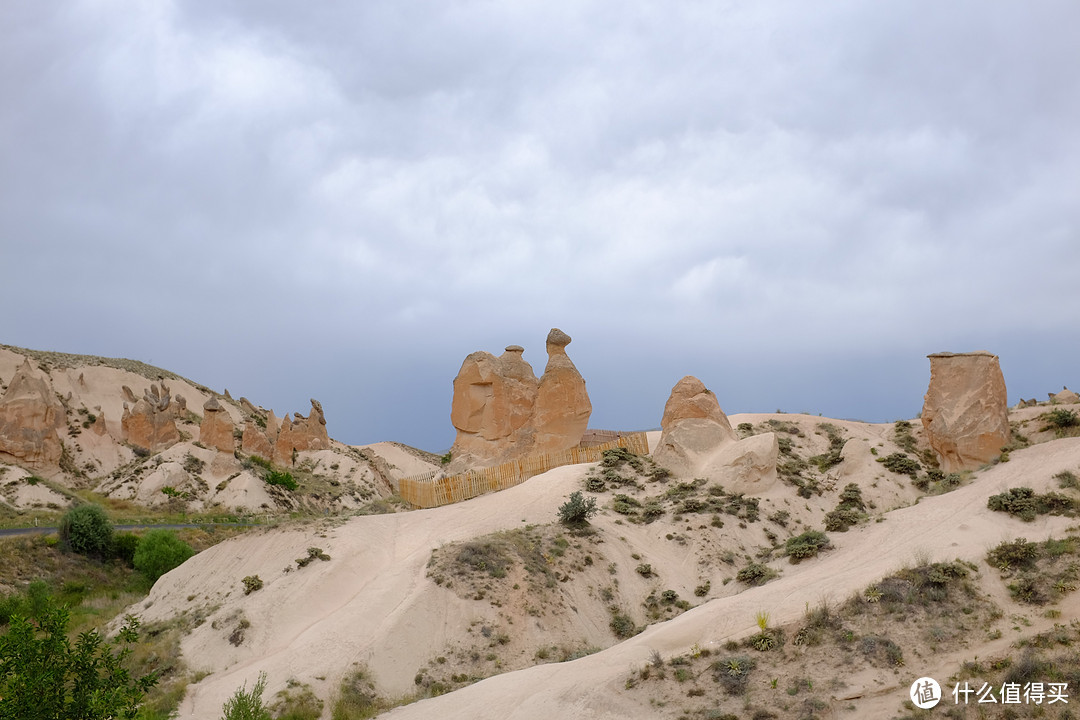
{"x": 159, "y": 552}
{"x": 644, "y": 570}
{"x": 901, "y": 464}
{"x": 733, "y": 673}
{"x": 485, "y": 556}
{"x": 807, "y": 545}
{"x": 1016, "y": 554}
{"x": 1024, "y": 503}
{"x": 124, "y": 546}
{"x": 1067, "y": 480}
{"x": 245, "y": 704}
{"x": 622, "y": 625}
{"x": 252, "y": 583}
{"x": 1060, "y": 419}
{"x": 284, "y": 479}
{"x": 577, "y": 510}
{"x": 313, "y": 554}
{"x": 86, "y": 530}
{"x": 755, "y": 574}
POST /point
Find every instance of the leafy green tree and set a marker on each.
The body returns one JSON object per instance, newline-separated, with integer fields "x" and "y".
{"x": 245, "y": 704}
{"x": 87, "y": 530}
{"x": 43, "y": 676}
{"x": 159, "y": 552}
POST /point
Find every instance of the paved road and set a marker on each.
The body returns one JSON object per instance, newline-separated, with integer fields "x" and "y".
{"x": 14, "y": 532}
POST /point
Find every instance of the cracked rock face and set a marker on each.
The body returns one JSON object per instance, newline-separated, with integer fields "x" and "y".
{"x": 30, "y": 417}
{"x": 965, "y": 411}
{"x": 501, "y": 410}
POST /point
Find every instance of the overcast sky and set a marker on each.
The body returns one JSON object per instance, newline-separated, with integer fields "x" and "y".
{"x": 795, "y": 202}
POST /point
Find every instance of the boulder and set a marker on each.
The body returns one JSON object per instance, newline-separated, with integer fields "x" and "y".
{"x": 1066, "y": 396}
{"x": 30, "y": 418}
{"x": 744, "y": 466}
{"x": 216, "y": 428}
{"x": 562, "y": 403}
{"x": 693, "y": 428}
{"x": 151, "y": 423}
{"x": 965, "y": 411}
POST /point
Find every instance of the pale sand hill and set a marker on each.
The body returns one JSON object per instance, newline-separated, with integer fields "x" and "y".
{"x": 372, "y": 604}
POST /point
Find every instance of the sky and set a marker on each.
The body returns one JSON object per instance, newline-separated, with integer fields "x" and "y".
{"x": 795, "y": 202}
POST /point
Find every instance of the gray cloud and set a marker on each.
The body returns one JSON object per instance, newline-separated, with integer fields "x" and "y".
{"x": 795, "y": 203}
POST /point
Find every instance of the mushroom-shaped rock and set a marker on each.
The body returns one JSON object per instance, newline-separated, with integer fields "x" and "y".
{"x": 562, "y": 403}
{"x": 693, "y": 428}
{"x": 216, "y": 428}
{"x": 965, "y": 411}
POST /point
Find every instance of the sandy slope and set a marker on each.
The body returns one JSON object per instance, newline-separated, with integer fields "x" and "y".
{"x": 372, "y": 604}
{"x": 955, "y": 525}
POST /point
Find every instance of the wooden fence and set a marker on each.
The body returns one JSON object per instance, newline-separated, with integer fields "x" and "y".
{"x": 428, "y": 490}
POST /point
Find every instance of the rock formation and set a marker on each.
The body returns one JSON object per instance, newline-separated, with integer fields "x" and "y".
{"x": 965, "y": 412}
{"x": 693, "y": 427}
{"x": 501, "y": 410}
{"x": 562, "y": 404}
{"x": 216, "y": 428}
{"x": 278, "y": 440}
{"x": 151, "y": 424}
{"x": 98, "y": 427}
{"x": 302, "y": 433}
{"x": 30, "y": 416}
{"x": 1065, "y": 396}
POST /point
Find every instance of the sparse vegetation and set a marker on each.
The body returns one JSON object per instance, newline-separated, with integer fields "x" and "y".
{"x": 282, "y": 479}
{"x": 247, "y": 704}
{"x": 313, "y": 554}
{"x": 1026, "y": 504}
{"x": 806, "y": 545}
{"x": 901, "y": 464}
{"x": 850, "y": 511}
{"x": 755, "y": 574}
{"x": 577, "y": 510}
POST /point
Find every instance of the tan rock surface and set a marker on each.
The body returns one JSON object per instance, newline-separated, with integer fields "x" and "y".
{"x": 216, "y": 428}
{"x": 151, "y": 423}
{"x": 562, "y": 403}
{"x": 501, "y": 410}
{"x": 1065, "y": 396}
{"x": 965, "y": 411}
{"x": 694, "y": 427}
{"x": 301, "y": 434}
{"x": 30, "y": 416}
{"x": 745, "y": 466}
{"x": 255, "y": 441}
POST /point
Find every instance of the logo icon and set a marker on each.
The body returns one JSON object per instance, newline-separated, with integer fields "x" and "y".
{"x": 925, "y": 693}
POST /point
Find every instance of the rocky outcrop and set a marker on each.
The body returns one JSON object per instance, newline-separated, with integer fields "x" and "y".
{"x": 501, "y": 410}
{"x": 744, "y": 466}
{"x": 494, "y": 400}
{"x": 151, "y": 423}
{"x": 30, "y": 417}
{"x": 216, "y": 428}
{"x": 562, "y": 404}
{"x": 965, "y": 412}
{"x": 1066, "y": 396}
{"x": 98, "y": 427}
{"x": 693, "y": 428}
{"x": 279, "y": 439}
{"x": 302, "y": 434}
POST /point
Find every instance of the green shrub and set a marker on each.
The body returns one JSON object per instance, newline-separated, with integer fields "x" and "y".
{"x": 124, "y": 546}
{"x": 1067, "y": 479}
{"x": 159, "y": 552}
{"x": 1016, "y": 554}
{"x": 44, "y": 675}
{"x": 313, "y": 554}
{"x": 625, "y": 505}
{"x": 1060, "y": 419}
{"x": 622, "y": 625}
{"x": 755, "y": 574}
{"x": 1025, "y": 504}
{"x": 284, "y": 479}
{"x": 252, "y": 583}
{"x": 261, "y": 462}
{"x": 644, "y": 570}
{"x": 245, "y": 704}
{"x": 577, "y": 510}
{"x": 733, "y": 673}
{"x": 901, "y": 464}
{"x": 86, "y": 529}
{"x": 807, "y": 545}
